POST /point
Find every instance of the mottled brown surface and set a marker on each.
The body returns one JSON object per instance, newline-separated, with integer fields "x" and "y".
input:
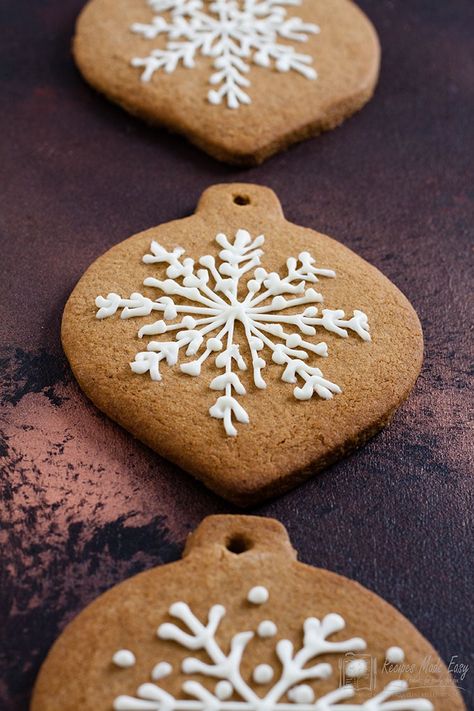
{"x": 286, "y": 441}
{"x": 123, "y": 618}
{"x": 285, "y": 106}
{"x": 84, "y": 505}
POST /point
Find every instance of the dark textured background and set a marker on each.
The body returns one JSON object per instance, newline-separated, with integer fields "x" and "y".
{"x": 83, "y": 505}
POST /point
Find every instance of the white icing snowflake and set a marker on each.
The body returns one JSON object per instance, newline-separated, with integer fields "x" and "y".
{"x": 233, "y": 693}
{"x": 259, "y": 306}
{"x": 233, "y": 33}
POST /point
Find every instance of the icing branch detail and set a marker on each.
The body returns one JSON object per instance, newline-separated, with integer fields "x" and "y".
{"x": 233, "y": 693}
{"x": 233, "y": 33}
{"x": 207, "y": 302}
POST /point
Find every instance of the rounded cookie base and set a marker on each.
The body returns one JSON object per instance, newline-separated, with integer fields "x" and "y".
{"x": 286, "y": 440}
{"x": 285, "y": 107}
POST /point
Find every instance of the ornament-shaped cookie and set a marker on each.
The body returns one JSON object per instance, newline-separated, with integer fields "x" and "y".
{"x": 242, "y": 79}
{"x": 240, "y": 625}
{"x": 248, "y": 350}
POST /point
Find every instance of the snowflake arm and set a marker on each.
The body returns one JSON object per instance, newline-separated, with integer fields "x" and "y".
{"x": 226, "y": 667}
{"x": 227, "y": 406}
{"x": 381, "y": 702}
{"x": 204, "y": 303}
{"x": 203, "y": 637}
{"x": 315, "y": 643}
{"x": 233, "y": 33}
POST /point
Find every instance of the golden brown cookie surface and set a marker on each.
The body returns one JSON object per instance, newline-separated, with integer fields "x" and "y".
{"x": 251, "y": 382}
{"x": 289, "y": 69}
{"x": 240, "y": 624}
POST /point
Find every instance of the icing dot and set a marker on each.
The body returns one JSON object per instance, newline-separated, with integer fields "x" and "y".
{"x": 267, "y": 628}
{"x": 258, "y": 595}
{"x": 356, "y": 668}
{"x": 124, "y": 658}
{"x": 302, "y": 694}
{"x": 293, "y": 340}
{"x": 395, "y": 655}
{"x": 223, "y": 690}
{"x": 161, "y": 670}
{"x": 262, "y": 674}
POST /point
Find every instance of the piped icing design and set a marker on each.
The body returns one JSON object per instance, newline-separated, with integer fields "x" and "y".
{"x": 262, "y": 674}
{"x": 207, "y": 308}
{"x": 266, "y": 629}
{"x": 302, "y": 694}
{"x": 298, "y": 670}
{"x": 395, "y": 655}
{"x": 161, "y": 670}
{"x": 234, "y": 33}
{"x": 356, "y": 668}
{"x": 224, "y": 690}
{"x": 124, "y": 659}
{"x": 258, "y": 595}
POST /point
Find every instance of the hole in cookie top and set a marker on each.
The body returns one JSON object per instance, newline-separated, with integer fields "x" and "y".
{"x": 241, "y": 199}
{"x": 238, "y": 544}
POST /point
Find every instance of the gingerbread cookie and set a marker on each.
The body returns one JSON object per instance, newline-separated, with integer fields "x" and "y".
{"x": 248, "y": 350}
{"x": 240, "y": 625}
{"x": 242, "y": 79}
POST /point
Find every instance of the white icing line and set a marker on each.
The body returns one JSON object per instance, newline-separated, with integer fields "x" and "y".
{"x": 262, "y": 674}
{"x": 356, "y": 668}
{"x": 207, "y": 325}
{"x": 235, "y": 34}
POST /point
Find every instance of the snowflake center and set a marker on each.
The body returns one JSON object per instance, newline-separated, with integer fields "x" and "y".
{"x": 277, "y": 314}
{"x": 228, "y": 25}
{"x": 237, "y": 312}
